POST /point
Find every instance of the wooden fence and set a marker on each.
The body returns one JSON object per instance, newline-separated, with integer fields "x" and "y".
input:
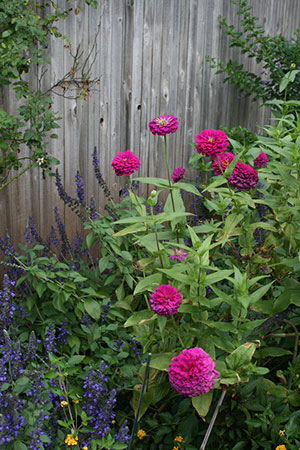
{"x": 149, "y": 56}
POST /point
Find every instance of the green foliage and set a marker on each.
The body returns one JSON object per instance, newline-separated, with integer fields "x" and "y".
{"x": 275, "y": 55}
{"x": 26, "y": 26}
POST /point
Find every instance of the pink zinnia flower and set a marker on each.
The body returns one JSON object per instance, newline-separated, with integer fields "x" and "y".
{"x": 243, "y": 177}
{"x": 261, "y": 160}
{"x": 179, "y": 253}
{"x": 178, "y": 174}
{"x": 211, "y": 142}
{"x": 192, "y": 372}
{"x": 224, "y": 160}
{"x": 163, "y": 125}
{"x": 166, "y": 300}
{"x": 125, "y": 163}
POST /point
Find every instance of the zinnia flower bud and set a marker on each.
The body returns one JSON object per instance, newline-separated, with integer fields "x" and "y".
{"x": 163, "y": 125}
{"x": 244, "y": 177}
{"x": 211, "y": 142}
{"x": 178, "y": 174}
{"x": 261, "y": 160}
{"x": 192, "y": 372}
{"x": 125, "y": 163}
{"x": 166, "y": 300}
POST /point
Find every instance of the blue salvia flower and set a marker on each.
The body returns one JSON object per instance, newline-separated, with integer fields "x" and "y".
{"x": 80, "y": 190}
{"x": 50, "y": 339}
{"x": 98, "y": 174}
{"x": 7, "y": 307}
{"x": 99, "y": 402}
{"x": 93, "y": 209}
{"x": 123, "y": 434}
{"x": 37, "y": 432}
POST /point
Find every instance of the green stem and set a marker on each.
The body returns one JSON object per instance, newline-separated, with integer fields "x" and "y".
{"x": 176, "y": 331}
{"x": 16, "y": 177}
{"x": 156, "y": 238}
{"x": 136, "y": 197}
{"x": 168, "y": 172}
{"x": 140, "y": 402}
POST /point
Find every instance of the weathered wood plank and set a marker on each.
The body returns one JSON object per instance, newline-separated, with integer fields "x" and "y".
{"x": 150, "y": 61}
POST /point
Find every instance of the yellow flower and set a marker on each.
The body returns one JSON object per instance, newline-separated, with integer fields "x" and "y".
{"x": 281, "y": 447}
{"x": 63, "y": 403}
{"x": 141, "y": 434}
{"x": 281, "y": 432}
{"x": 178, "y": 439}
{"x": 70, "y": 440}
{"x": 175, "y": 448}
{"x": 84, "y": 448}
{"x": 75, "y": 401}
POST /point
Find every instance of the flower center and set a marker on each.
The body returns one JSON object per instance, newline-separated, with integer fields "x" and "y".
{"x": 210, "y": 139}
{"x": 225, "y": 163}
{"x": 162, "y": 121}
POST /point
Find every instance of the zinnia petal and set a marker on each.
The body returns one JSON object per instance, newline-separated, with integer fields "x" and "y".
{"x": 192, "y": 372}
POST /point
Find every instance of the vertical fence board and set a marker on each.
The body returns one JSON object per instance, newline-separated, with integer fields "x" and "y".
{"x": 150, "y": 59}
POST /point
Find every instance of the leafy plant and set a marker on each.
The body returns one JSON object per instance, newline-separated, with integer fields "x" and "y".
{"x": 274, "y": 55}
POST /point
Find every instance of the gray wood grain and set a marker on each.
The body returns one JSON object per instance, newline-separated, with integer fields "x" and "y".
{"x": 150, "y": 61}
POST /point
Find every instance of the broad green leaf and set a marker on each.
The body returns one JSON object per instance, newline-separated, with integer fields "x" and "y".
{"x": 172, "y": 273}
{"x": 93, "y": 308}
{"x": 146, "y": 400}
{"x": 161, "y": 361}
{"x": 147, "y": 283}
{"x": 76, "y": 359}
{"x": 217, "y": 276}
{"x": 188, "y": 187}
{"x": 230, "y": 226}
{"x": 134, "y": 228}
{"x": 241, "y": 356}
{"x": 202, "y": 403}
{"x": 139, "y": 317}
{"x": 272, "y": 351}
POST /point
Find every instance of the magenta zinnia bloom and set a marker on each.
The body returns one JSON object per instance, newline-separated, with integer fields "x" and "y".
{"x": 243, "y": 177}
{"x": 179, "y": 253}
{"x": 163, "y": 125}
{"x": 178, "y": 174}
{"x": 261, "y": 160}
{"x": 211, "y": 142}
{"x": 166, "y": 300}
{"x": 125, "y": 163}
{"x": 192, "y": 372}
{"x": 224, "y": 161}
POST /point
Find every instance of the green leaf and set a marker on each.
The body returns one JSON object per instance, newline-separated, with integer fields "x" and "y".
{"x": 90, "y": 239}
{"x": 217, "y": 276}
{"x": 93, "y": 308}
{"x": 134, "y": 228}
{"x": 241, "y": 356}
{"x": 147, "y": 283}
{"x": 105, "y": 263}
{"x": 272, "y": 351}
{"x": 188, "y": 187}
{"x": 172, "y": 273}
{"x": 202, "y": 403}
{"x": 161, "y": 361}
{"x": 230, "y": 226}
{"x": 76, "y": 359}
{"x": 18, "y": 445}
{"x": 139, "y": 317}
